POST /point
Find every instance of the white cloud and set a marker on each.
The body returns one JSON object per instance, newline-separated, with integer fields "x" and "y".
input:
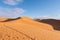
{"x": 11, "y": 12}
{"x": 44, "y": 17}
{"x": 49, "y": 17}
{"x": 12, "y": 2}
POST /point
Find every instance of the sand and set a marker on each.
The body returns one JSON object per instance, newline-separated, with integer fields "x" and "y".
{"x": 27, "y": 29}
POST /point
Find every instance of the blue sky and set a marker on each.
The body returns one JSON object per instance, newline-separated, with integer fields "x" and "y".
{"x": 31, "y": 8}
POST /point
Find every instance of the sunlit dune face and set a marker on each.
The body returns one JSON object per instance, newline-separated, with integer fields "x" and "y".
{"x": 7, "y": 33}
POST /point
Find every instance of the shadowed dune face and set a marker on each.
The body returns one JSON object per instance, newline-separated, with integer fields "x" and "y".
{"x": 8, "y": 20}
{"x": 55, "y": 23}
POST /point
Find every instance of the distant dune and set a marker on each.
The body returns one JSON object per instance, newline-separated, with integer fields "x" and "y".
{"x": 54, "y": 22}
{"x": 25, "y": 28}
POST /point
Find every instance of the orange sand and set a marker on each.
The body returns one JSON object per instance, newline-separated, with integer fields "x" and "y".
{"x": 27, "y": 29}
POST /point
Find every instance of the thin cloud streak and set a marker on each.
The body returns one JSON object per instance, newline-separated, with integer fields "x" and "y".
{"x": 11, "y": 12}
{"x": 12, "y": 2}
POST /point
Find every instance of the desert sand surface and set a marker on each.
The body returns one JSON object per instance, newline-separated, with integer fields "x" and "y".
{"x": 25, "y": 28}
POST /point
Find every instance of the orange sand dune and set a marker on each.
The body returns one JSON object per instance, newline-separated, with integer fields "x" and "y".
{"x": 26, "y": 29}
{"x": 29, "y": 22}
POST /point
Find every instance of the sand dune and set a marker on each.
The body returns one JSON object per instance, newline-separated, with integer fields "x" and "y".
{"x": 54, "y": 22}
{"x": 25, "y": 28}
{"x": 29, "y": 22}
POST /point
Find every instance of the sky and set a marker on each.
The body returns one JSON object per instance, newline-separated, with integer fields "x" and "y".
{"x": 30, "y": 8}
